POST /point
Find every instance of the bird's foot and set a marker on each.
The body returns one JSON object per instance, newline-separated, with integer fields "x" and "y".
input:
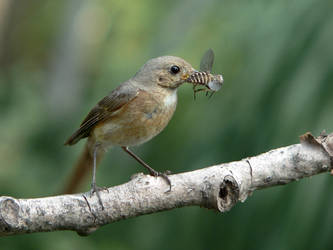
{"x": 163, "y": 175}
{"x": 96, "y": 189}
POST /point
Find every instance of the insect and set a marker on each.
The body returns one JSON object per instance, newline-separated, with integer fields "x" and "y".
{"x": 204, "y": 78}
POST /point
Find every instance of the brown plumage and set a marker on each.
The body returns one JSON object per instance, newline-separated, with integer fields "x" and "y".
{"x": 102, "y": 111}
{"x": 132, "y": 114}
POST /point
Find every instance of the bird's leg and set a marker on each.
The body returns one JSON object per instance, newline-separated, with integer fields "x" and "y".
{"x": 152, "y": 171}
{"x": 94, "y": 187}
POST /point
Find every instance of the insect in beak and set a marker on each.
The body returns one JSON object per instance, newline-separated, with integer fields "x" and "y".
{"x": 211, "y": 82}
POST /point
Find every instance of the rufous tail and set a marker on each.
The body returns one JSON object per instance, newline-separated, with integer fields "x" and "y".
{"x": 81, "y": 170}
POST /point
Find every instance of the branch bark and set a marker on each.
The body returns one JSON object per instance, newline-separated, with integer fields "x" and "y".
{"x": 217, "y": 187}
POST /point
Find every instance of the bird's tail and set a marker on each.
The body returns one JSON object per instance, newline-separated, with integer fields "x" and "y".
{"x": 82, "y": 168}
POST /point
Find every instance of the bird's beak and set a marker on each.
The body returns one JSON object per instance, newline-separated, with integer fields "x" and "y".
{"x": 185, "y": 76}
{"x": 188, "y": 74}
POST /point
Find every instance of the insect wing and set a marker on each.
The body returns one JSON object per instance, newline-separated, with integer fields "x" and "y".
{"x": 207, "y": 61}
{"x": 216, "y": 84}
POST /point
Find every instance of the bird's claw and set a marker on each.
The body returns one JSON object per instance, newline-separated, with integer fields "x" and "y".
{"x": 96, "y": 189}
{"x": 164, "y": 176}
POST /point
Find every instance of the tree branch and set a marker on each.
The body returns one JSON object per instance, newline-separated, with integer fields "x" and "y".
{"x": 217, "y": 187}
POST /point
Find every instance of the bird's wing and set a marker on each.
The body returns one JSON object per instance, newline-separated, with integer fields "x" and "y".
{"x": 103, "y": 110}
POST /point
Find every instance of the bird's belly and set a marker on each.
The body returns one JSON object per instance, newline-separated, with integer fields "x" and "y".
{"x": 136, "y": 123}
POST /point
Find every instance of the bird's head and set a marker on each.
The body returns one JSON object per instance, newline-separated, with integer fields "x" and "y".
{"x": 165, "y": 71}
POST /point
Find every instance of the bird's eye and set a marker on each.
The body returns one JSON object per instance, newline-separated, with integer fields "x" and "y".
{"x": 174, "y": 69}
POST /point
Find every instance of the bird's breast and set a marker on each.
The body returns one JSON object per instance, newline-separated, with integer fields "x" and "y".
{"x": 170, "y": 99}
{"x": 139, "y": 120}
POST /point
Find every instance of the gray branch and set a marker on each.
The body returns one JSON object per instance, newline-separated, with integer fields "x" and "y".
{"x": 217, "y": 187}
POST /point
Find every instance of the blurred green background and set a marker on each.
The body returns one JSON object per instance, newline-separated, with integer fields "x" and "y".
{"x": 58, "y": 58}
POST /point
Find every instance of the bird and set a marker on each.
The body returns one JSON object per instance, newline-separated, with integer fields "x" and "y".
{"x": 130, "y": 115}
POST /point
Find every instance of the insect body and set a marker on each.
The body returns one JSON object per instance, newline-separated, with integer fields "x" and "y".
{"x": 203, "y": 77}
{"x": 212, "y": 82}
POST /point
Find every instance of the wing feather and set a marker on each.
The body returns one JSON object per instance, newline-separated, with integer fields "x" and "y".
{"x": 103, "y": 110}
